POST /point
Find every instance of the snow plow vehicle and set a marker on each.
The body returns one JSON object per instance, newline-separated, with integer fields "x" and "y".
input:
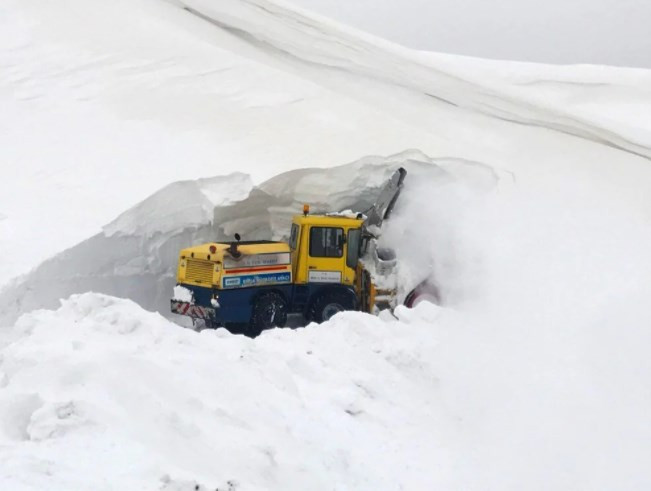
{"x": 330, "y": 264}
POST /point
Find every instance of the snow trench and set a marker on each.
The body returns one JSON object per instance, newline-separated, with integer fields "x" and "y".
{"x": 136, "y": 255}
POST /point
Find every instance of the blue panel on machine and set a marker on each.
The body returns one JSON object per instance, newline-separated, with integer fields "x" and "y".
{"x": 256, "y": 280}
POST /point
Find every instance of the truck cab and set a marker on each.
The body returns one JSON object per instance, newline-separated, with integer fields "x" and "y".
{"x": 325, "y": 249}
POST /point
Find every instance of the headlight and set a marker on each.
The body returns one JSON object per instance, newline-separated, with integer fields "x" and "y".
{"x": 214, "y": 301}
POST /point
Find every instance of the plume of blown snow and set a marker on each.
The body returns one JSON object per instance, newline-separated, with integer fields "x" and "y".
{"x": 549, "y": 369}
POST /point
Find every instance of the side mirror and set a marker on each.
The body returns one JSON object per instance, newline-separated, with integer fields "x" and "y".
{"x": 238, "y": 237}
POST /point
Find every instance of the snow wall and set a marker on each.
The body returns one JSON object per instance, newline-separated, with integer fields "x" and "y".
{"x": 136, "y": 255}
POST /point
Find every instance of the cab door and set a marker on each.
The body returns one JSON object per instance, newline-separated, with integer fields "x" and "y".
{"x": 295, "y": 247}
{"x": 325, "y": 258}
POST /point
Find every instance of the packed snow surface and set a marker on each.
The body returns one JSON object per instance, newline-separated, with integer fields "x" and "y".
{"x": 211, "y": 407}
{"x": 103, "y": 395}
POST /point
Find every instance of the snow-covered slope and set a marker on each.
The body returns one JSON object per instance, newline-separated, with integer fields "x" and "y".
{"x": 616, "y": 99}
{"x": 278, "y": 28}
{"x": 93, "y": 122}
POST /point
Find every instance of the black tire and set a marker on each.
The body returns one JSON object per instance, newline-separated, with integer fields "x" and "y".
{"x": 424, "y": 292}
{"x": 269, "y": 310}
{"x": 237, "y": 327}
{"x": 328, "y": 304}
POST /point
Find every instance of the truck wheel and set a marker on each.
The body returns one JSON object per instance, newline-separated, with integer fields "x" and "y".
{"x": 269, "y": 310}
{"x": 328, "y": 304}
{"x": 237, "y": 327}
{"x": 423, "y": 292}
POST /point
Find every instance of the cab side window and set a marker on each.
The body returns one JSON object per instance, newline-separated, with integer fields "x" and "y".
{"x": 354, "y": 239}
{"x": 326, "y": 242}
{"x": 293, "y": 239}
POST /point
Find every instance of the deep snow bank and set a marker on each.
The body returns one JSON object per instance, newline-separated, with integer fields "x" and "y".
{"x": 136, "y": 255}
{"x": 101, "y": 394}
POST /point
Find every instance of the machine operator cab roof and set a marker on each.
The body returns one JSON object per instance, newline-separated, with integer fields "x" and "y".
{"x": 332, "y": 220}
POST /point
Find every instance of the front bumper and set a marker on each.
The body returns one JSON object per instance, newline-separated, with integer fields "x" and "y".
{"x": 194, "y": 311}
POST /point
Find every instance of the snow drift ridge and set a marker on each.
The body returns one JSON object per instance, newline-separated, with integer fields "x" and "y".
{"x": 312, "y": 41}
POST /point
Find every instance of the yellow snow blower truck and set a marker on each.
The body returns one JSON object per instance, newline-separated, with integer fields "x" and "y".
{"x": 331, "y": 263}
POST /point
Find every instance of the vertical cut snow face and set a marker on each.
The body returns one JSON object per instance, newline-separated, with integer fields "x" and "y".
{"x": 188, "y": 203}
{"x": 136, "y": 255}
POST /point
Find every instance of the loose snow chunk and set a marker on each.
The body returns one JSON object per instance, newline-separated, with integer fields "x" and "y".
{"x": 182, "y": 294}
{"x": 54, "y": 419}
{"x": 347, "y": 214}
{"x": 423, "y": 312}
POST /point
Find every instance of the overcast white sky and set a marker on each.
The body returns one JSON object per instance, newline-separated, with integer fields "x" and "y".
{"x": 613, "y": 32}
